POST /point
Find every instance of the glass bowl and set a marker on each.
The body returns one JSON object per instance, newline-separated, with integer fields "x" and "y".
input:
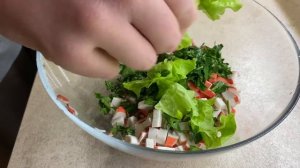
{"x": 256, "y": 44}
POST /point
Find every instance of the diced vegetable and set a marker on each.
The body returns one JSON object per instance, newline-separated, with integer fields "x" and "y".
{"x": 181, "y": 138}
{"x": 150, "y": 143}
{"x": 161, "y": 136}
{"x": 152, "y": 134}
{"x": 116, "y": 101}
{"x": 119, "y": 117}
{"x": 157, "y": 118}
{"x": 219, "y": 104}
{"x": 171, "y": 140}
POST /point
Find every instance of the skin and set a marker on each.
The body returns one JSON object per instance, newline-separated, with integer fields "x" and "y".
{"x": 91, "y": 37}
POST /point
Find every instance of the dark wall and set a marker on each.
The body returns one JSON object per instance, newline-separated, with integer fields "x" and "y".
{"x": 14, "y": 92}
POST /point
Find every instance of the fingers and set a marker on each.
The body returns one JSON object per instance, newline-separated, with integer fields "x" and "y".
{"x": 157, "y": 23}
{"x": 185, "y": 12}
{"x": 126, "y": 44}
{"x": 88, "y": 61}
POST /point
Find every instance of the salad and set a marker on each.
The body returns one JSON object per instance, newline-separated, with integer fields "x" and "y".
{"x": 186, "y": 102}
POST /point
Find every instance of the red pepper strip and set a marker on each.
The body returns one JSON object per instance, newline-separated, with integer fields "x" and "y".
{"x": 230, "y": 81}
{"x": 208, "y": 93}
{"x": 208, "y": 84}
{"x": 201, "y": 94}
{"x": 170, "y": 141}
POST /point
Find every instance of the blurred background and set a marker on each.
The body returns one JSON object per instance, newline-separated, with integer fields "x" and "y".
{"x": 17, "y": 72}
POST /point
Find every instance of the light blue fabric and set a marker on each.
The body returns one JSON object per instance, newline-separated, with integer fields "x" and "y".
{"x": 8, "y": 53}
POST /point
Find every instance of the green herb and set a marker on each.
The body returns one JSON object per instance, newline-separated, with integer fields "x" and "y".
{"x": 173, "y": 123}
{"x": 194, "y": 148}
{"x": 197, "y": 137}
{"x": 122, "y": 131}
{"x": 228, "y": 106}
{"x": 219, "y": 87}
{"x": 104, "y": 103}
{"x": 130, "y": 107}
{"x": 150, "y": 101}
{"x": 115, "y": 88}
{"x": 208, "y": 61}
{"x": 128, "y": 74}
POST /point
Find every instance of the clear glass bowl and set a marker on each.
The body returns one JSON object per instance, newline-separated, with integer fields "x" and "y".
{"x": 256, "y": 44}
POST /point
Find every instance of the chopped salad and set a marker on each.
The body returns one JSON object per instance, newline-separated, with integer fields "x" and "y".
{"x": 186, "y": 102}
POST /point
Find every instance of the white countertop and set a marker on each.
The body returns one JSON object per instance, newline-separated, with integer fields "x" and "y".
{"x": 47, "y": 138}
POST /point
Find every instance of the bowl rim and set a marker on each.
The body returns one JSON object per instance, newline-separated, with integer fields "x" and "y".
{"x": 113, "y": 141}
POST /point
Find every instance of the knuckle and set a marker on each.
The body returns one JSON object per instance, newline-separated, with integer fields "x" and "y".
{"x": 108, "y": 75}
{"x": 148, "y": 64}
{"x": 187, "y": 18}
{"x": 171, "y": 43}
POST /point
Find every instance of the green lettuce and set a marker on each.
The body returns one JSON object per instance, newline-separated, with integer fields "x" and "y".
{"x": 227, "y": 128}
{"x": 186, "y": 41}
{"x": 215, "y": 8}
{"x": 177, "y": 101}
{"x": 163, "y": 74}
{"x": 204, "y": 124}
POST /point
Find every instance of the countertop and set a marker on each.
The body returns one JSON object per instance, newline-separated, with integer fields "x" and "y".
{"x": 47, "y": 138}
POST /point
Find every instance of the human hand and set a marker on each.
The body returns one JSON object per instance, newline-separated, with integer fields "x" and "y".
{"x": 91, "y": 37}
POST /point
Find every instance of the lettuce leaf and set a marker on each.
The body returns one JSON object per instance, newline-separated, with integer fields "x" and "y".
{"x": 227, "y": 128}
{"x": 177, "y": 101}
{"x": 186, "y": 41}
{"x": 164, "y": 75}
{"x": 215, "y": 8}
{"x": 203, "y": 123}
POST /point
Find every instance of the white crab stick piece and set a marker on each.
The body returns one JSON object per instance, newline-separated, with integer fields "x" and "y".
{"x": 180, "y": 148}
{"x": 131, "y": 121}
{"x": 181, "y": 137}
{"x": 230, "y": 96}
{"x": 166, "y": 148}
{"x": 150, "y": 143}
{"x": 161, "y": 136}
{"x": 116, "y": 101}
{"x": 219, "y": 104}
{"x": 217, "y": 113}
{"x": 152, "y": 133}
{"x": 118, "y": 118}
{"x": 131, "y": 139}
{"x": 143, "y": 106}
{"x": 157, "y": 118}
{"x": 140, "y": 127}
{"x": 142, "y": 136}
